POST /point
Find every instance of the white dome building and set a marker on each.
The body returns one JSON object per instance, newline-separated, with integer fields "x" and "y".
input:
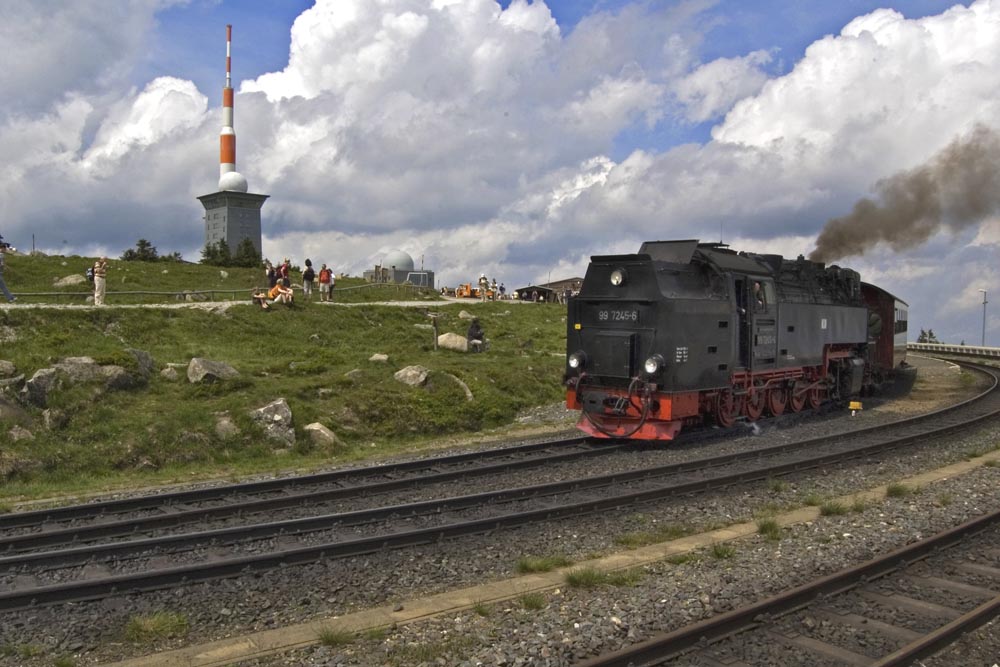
{"x": 397, "y": 267}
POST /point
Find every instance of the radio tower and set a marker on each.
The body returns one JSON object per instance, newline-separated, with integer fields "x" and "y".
{"x": 229, "y": 178}
{"x": 232, "y": 214}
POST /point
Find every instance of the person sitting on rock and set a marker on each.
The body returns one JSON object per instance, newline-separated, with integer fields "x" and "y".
{"x": 281, "y": 294}
{"x": 475, "y": 336}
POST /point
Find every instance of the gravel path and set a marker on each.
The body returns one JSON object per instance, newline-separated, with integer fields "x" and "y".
{"x": 573, "y": 623}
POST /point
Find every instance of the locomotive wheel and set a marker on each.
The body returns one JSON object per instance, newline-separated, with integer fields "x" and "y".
{"x": 814, "y": 397}
{"x": 726, "y": 409}
{"x": 754, "y": 405}
{"x": 797, "y": 398}
{"x": 776, "y": 399}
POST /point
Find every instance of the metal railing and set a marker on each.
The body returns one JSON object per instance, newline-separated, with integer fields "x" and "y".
{"x": 229, "y": 294}
{"x": 943, "y": 348}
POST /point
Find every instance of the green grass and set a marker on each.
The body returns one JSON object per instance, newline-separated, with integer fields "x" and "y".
{"x": 482, "y": 609}
{"x": 813, "y": 500}
{"x": 64, "y": 661}
{"x": 24, "y": 651}
{"x": 722, "y": 551}
{"x": 533, "y": 601}
{"x": 833, "y": 508}
{"x": 681, "y": 559}
{"x": 778, "y": 485}
{"x": 898, "y": 490}
{"x": 629, "y": 577}
{"x": 992, "y": 463}
{"x": 858, "y": 505}
{"x": 148, "y": 628}
{"x": 528, "y": 564}
{"x": 944, "y": 499}
{"x": 34, "y": 275}
{"x": 332, "y": 637}
{"x": 637, "y": 539}
{"x": 165, "y": 432}
{"x": 587, "y": 577}
{"x": 431, "y": 652}
{"x": 375, "y": 634}
{"x": 769, "y": 529}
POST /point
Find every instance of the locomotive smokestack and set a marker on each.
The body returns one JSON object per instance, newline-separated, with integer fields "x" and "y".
{"x": 229, "y": 178}
{"x": 955, "y": 189}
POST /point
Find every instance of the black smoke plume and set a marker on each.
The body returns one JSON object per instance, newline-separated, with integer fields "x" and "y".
{"x": 957, "y": 188}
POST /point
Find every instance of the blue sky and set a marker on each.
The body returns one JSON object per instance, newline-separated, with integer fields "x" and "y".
{"x": 516, "y": 139}
{"x": 189, "y": 39}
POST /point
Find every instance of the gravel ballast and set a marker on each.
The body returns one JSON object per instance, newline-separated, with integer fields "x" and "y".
{"x": 573, "y": 623}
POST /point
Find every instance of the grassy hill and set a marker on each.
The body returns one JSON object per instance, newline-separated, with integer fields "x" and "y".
{"x": 166, "y": 430}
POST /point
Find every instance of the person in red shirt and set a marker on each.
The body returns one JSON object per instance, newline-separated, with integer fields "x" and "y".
{"x": 325, "y": 284}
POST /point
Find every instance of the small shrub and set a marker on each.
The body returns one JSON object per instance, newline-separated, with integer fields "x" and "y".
{"x": 161, "y": 625}
{"x": 897, "y": 490}
{"x": 859, "y": 505}
{"x": 721, "y": 550}
{"x": 813, "y": 500}
{"x": 945, "y": 499}
{"x": 974, "y": 454}
{"x": 412, "y": 654}
{"x": 64, "y": 661}
{"x": 375, "y": 634}
{"x": 334, "y": 637}
{"x": 647, "y": 537}
{"x": 584, "y": 578}
{"x": 992, "y": 463}
{"x": 680, "y": 559}
{"x": 769, "y": 529}
{"x": 527, "y": 564}
{"x": 482, "y": 609}
{"x": 832, "y": 508}
{"x": 777, "y": 485}
{"x": 29, "y": 650}
{"x": 533, "y": 601}
{"x": 629, "y": 577}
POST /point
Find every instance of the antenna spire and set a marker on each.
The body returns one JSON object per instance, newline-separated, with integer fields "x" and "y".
{"x": 229, "y": 178}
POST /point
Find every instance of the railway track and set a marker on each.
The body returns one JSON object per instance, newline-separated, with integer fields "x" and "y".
{"x": 34, "y": 576}
{"x": 891, "y": 611}
{"x": 34, "y": 573}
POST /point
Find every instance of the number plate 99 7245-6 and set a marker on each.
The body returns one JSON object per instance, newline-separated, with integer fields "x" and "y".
{"x": 624, "y": 315}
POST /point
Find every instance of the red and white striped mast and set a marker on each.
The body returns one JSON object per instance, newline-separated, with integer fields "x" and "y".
{"x": 227, "y": 137}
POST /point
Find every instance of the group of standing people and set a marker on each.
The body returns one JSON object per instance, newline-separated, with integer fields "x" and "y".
{"x": 485, "y": 288}
{"x": 279, "y": 283}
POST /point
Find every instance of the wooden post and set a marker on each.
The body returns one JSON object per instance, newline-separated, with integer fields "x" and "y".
{"x": 434, "y": 322}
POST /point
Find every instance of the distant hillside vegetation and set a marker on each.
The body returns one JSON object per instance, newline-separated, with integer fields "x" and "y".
{"x": 94, "y": 433}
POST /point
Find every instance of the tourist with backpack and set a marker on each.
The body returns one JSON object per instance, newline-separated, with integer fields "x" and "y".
{"x": 325, "y": 282}
{"x": 308, "y": 276}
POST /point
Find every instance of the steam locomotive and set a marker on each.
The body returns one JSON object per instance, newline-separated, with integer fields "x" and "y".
{"x": 685, "y": 332}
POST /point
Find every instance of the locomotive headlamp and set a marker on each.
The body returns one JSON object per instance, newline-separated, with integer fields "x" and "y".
{"x": 577, "y": 360}
{"x": 654, "y": 364}
{"x": 618, "y": 277}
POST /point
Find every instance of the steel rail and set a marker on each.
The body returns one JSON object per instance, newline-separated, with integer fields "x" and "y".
{"x": 89, "y": 589}
{"x": 76, "y": 535}
{"x": 215, "y": 493}
{"x": 668, "y": 646}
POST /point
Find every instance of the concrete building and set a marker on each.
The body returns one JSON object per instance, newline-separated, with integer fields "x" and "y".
{"x": 232, "y": 214}
{"x": 397, "y": 267}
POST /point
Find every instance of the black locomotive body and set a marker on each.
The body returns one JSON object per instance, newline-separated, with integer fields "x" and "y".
{"x": 683, "y": 331}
